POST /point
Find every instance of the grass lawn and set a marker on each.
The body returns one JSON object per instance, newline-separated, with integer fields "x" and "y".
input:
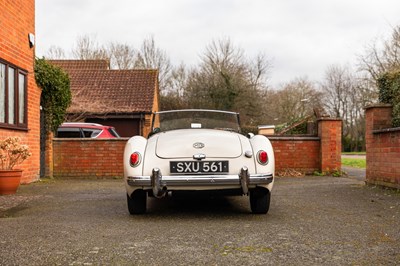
{"x": 358, "y": 163}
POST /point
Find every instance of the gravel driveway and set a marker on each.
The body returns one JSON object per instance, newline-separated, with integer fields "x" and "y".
{"x": 312, "y": 221}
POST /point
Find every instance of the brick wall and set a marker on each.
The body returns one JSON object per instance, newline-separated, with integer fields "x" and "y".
{"x": 383, "y": 147}
{"x": 99, "y": 158}
{"x": 88, "y": 158}
{"x": 297, "y": 153}
{"x": 17, "y": 20}
{"x": 309, "y": 154}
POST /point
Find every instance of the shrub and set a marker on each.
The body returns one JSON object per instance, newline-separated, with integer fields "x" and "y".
{"x": 12, "y": 152}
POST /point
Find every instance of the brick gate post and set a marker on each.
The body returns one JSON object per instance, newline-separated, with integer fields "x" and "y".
{"x": 382, "y": 152}
{"x": 49, "y": 155}
{"x": 330, "y": 133}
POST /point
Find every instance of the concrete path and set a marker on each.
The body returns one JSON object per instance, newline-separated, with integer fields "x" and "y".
{"x": 354, "y": 156}
{"x": 357, "y": 173}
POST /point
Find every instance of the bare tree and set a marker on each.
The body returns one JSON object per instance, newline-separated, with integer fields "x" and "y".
{"x": 337, "y": 87}
{"x": 178, "y": 80}
{"x": 149, "y": 56}
{"x": 345, "y": 97}
{"x": 122, "y": 56}
{"x": 294, "y": 101}
{"x": 382, "y": 57}
{"x": 55, "y": 52}
{"x": 227, "y": 80}
{"x": 173, "y": 96}
{"x": 258, "y": 71}
{"x": 87, "y": 48}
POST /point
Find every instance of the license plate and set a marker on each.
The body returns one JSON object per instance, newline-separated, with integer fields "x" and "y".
{"x": 199, "y": 167}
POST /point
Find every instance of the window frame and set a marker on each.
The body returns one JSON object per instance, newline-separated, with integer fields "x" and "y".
{"x": 17, "y": 72}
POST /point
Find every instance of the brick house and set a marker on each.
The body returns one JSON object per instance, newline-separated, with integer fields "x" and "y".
{"x": 19, "y": 95}
{"x": 124, "y": 99}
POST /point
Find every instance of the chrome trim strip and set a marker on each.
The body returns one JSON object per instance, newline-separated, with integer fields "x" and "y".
{"x": 196, "y": 110}
{"x": 195, "y": 180}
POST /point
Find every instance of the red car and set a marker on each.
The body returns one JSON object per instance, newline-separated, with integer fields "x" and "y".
{"x": 86, "y": 130}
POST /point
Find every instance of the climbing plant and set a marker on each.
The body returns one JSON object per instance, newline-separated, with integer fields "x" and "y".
{"x": 56, "y": 93}
{"x": 389, "y": 92}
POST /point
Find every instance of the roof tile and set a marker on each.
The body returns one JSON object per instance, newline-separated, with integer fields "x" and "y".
{"x": 96, "y": 89}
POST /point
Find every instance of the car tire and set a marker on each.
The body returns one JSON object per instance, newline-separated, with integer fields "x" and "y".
{"x": 259, "y": 200}
{"x": 137, "y": 202}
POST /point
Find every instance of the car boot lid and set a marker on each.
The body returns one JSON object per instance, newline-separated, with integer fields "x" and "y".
{"x": 187, "y": 143}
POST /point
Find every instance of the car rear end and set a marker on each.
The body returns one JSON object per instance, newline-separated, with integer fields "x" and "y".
{"x": 192, "y": 152}
{"x": 201, "y": 160}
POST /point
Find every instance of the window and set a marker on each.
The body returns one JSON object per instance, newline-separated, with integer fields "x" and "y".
{"x": 113, "y": 132}
{"x": 69, "y": 133}
{"x": 13, "y": 84}
{"x": 91, "y": 132}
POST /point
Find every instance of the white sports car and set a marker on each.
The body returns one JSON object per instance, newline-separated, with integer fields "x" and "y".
{"x": 192, "y": 150}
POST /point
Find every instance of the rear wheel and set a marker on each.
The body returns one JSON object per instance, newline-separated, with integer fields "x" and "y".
{"x": 137, "y": 202}
{"x": 259, "y": 200}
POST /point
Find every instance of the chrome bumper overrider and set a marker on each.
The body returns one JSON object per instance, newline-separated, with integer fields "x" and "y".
{"x": 160, "y": 183}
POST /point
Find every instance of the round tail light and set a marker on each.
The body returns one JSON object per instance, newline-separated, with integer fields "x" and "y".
{"x": 135, "y": 159}
{"x": 262, "y": 157}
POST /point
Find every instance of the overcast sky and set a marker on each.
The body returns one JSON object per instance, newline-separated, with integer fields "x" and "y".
{"x": 301, "y": 38}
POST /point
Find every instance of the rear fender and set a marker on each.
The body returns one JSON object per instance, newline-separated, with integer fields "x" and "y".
{"x": 258, "y": 143}
{"x": 135, "y": 144}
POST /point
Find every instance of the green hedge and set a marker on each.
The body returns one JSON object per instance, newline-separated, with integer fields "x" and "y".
{"x": 389, "y": 92}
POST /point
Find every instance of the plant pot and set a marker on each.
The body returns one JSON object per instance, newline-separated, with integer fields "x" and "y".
{"x": 9, "y": 181}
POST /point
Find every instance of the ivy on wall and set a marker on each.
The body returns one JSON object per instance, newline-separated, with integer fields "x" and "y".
{"x": 56, "y": 93}
{"x": 389, "y": 92}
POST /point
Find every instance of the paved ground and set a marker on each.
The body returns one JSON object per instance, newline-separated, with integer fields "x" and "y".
{"x": 312, "y": 221}
{"x": 358, "y": 173}
{"x": 354, "y": 156}
{"x": 352, "y": 172}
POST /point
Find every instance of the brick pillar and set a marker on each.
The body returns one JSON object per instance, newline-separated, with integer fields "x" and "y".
{"x": 146, "y": 125}
{"x": 377, "y": 116}
{"x": 49, "y": 160}
{"x": 330, "y": 133}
